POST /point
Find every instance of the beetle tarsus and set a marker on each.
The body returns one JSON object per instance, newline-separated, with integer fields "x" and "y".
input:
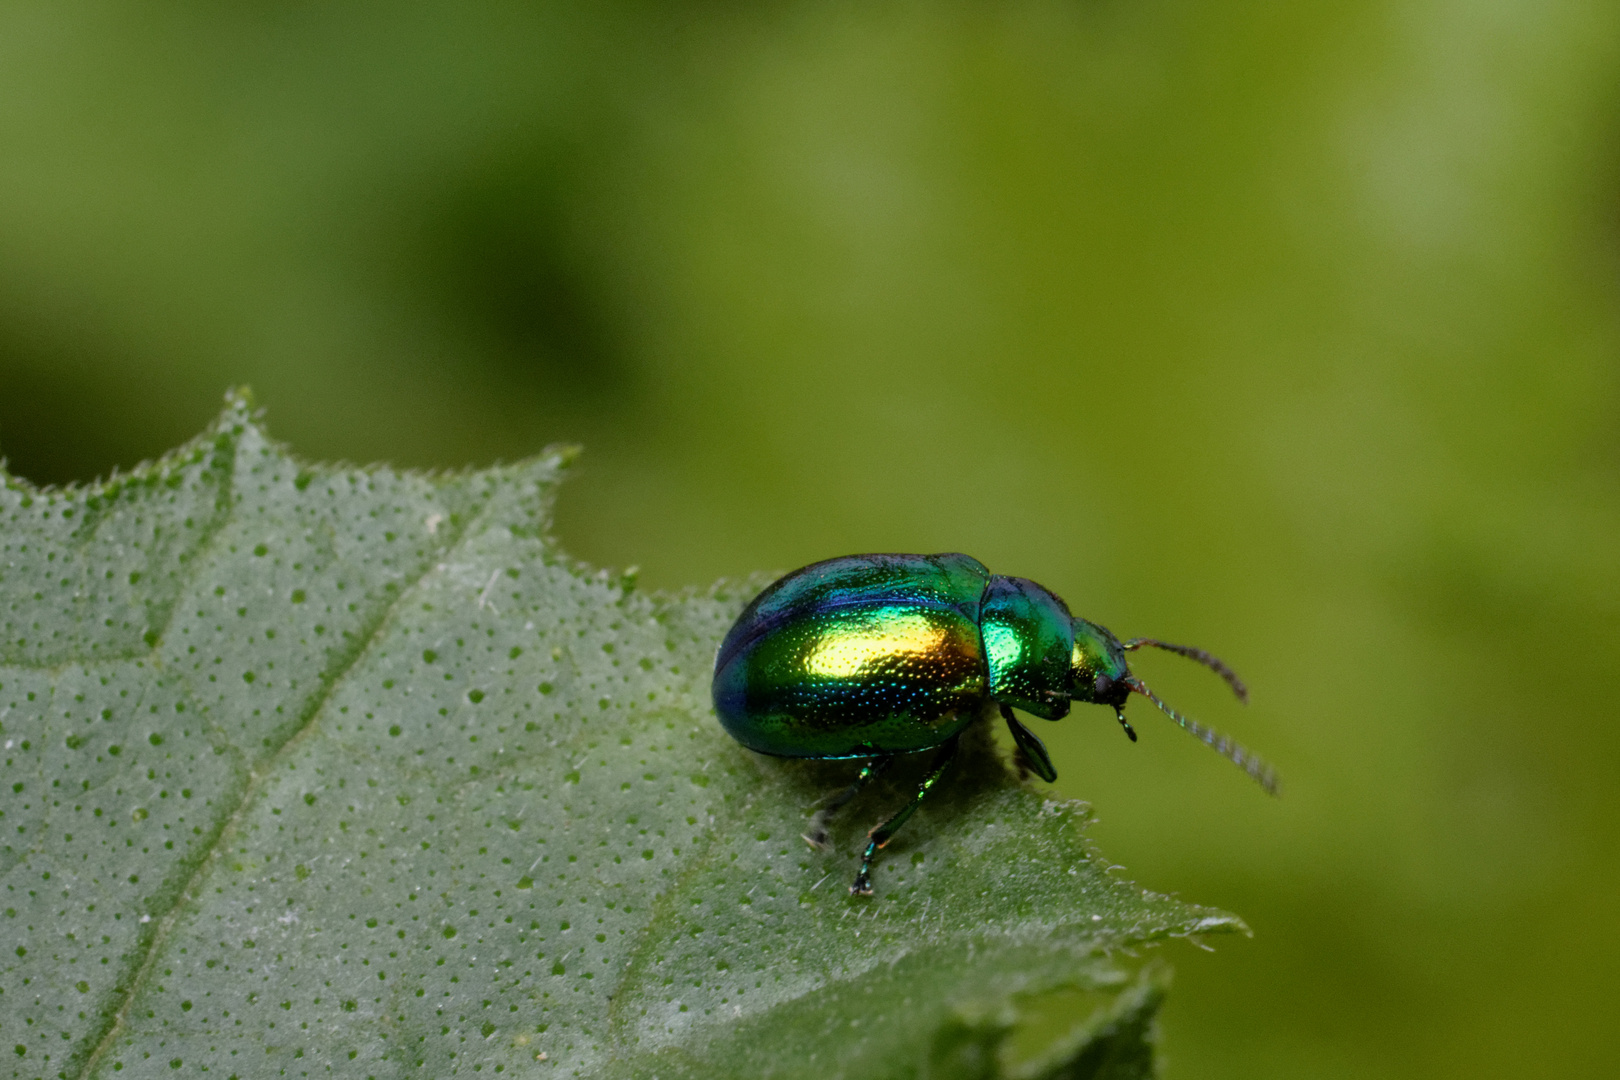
{"x": 863, "y": 880}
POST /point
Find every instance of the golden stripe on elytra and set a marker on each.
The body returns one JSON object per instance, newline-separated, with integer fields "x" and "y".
{"x": 876, "y": 641}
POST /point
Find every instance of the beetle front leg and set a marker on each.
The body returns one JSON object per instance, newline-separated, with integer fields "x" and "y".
{"x": 879, "y": 837}
{"x": 1033, "y": 751}
{"x": 817, "y": 836}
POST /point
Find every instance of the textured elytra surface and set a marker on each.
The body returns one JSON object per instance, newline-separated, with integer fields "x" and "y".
{"x": 315, "y": 771}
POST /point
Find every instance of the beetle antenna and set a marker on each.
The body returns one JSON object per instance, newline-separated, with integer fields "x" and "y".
{"x": 1214, "y": 663}
{"x": 1262, "y": 773}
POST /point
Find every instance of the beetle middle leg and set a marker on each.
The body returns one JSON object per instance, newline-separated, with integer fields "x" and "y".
{"x": 879, "y": 837}
{"x": 816, "y": 837}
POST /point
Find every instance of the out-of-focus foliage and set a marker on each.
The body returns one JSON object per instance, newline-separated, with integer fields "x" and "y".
{"x": 354, "y": 771}
{"x": 1289, "y": 331}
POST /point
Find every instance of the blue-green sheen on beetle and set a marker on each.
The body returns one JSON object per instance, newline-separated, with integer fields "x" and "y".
{"x": 873, "y": 656}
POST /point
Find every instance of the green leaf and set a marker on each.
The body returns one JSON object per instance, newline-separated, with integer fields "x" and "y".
{"x": 312, "y": 768}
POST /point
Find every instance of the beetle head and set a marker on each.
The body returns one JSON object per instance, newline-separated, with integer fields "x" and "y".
{"x": 1097, "y": 670}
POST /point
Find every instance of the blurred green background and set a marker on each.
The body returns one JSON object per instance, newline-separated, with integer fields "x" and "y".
{"x": 1287, "y": 330}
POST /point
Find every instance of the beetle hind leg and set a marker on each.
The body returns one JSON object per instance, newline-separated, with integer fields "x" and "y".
{"x": 816, "y": 835}
{"x": 879, "y": 837}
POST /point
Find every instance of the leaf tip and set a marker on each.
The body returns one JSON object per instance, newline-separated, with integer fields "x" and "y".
{"x": 239, "y": 399}
{"x": 563, "y": 455}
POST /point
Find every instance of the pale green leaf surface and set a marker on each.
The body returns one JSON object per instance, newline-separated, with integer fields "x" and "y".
{"x": 321, "y": 770}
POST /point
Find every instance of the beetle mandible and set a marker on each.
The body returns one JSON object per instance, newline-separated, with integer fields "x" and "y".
{"x": 873, "y": 656}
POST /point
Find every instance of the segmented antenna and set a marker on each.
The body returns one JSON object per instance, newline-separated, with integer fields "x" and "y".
{"x": 1214, "y": 663}
{"x": 1262, "y": 773}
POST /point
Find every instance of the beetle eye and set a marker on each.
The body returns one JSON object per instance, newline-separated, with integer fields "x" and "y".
{"x": 1102, "y": 686}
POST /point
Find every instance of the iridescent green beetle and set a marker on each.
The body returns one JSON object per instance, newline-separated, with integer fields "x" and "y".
{"x": 873, "y": 656}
